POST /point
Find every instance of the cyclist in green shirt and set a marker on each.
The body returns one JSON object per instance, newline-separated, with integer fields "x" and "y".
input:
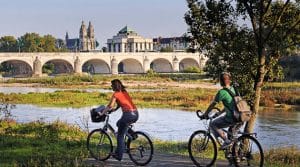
{"x": 228, "y": 119}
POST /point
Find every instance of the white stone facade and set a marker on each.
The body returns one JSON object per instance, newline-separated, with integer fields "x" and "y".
{"x": 129, "y": 41}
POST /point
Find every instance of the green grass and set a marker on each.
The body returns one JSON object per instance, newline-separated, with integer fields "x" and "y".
{"x": 60, "y": 144}
{"x": 103, "y": 79}
{"x": 282, "y": 85}
{"x": 283, "y": 157}
{"x": 36, "y": 143}
{"x": 188, "y": 99}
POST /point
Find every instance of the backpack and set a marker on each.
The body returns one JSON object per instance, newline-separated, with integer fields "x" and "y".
{"x": 242, "y": 112}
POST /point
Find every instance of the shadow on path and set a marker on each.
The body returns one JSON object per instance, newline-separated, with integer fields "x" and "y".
{"x": 159, "y": 160}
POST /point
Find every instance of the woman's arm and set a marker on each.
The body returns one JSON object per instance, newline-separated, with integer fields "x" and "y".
{"x": 110, "y": 105}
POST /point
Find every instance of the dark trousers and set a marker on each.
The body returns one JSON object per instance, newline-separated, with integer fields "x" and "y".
{"x": 218, "y": 124}
{"x": 124, "y": 121}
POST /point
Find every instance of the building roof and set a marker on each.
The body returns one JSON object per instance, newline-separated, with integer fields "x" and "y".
{"x": 126, "y": 30}
{"x": 71, "y": 43}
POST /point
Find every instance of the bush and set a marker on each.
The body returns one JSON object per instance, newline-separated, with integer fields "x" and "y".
{"x": 151, "y": 73}
{"x": 192, "y": 69}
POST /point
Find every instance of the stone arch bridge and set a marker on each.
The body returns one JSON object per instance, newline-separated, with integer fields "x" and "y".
{"x": 32, "y": 64}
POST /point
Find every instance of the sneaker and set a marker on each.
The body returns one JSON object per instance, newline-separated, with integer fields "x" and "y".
{"x": 225, "y": 145}
{"x": 132, "y": 134}
{"x": 115, "y": 155}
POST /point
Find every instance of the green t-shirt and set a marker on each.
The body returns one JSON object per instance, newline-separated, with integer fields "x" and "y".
{"x": 227, "y": 101}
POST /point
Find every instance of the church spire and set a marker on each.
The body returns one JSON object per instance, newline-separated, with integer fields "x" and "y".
{"x": 90, "y": 31}
{"x": 67, "y": 36}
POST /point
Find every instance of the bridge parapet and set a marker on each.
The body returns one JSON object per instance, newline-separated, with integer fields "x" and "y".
{"x": 113, "y": 63}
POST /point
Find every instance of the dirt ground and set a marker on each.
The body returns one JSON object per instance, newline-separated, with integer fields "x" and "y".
{"x": 159, "y": 160}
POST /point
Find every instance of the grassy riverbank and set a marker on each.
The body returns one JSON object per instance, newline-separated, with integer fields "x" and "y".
{"x": 35, "y": 144}
{"x": 189, "y": 99}
{"x": 186, "y": 99}
{"x": 59, "y": 144}
{"x": 104, "y": 80}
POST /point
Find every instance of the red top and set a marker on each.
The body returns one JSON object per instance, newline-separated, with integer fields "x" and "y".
{"x": 124, "y": 100}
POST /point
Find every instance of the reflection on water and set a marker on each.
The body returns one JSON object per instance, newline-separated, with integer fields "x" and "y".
{"x": 274, "y": 128}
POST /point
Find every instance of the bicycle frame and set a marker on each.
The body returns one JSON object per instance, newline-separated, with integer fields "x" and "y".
{"x": 108, "y": 128}
{"x": 234, "y": 136}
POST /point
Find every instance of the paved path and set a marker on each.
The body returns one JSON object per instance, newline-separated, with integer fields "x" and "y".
{"x": 159, "y": 160}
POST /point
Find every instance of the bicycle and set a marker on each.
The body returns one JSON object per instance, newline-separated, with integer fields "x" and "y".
{"x": 245, "y": 149}
{"x": 138, "y": 144}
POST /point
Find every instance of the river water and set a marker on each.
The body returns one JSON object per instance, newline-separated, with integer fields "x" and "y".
{"x": 274, "y": 128}
{"x": 25, "y": 90}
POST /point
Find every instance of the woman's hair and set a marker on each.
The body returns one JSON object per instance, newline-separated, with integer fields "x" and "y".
{"x": 117, "y": 85}
{"x": 222, "y": 78}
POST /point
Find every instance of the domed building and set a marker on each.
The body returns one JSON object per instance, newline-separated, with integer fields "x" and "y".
{"x": 128, "y": 40}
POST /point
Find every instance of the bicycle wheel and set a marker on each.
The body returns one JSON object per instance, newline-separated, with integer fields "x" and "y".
{"x": 202, "y": 148}
{"x": 247, "y": 152}
{"x": 99, "y": 144}
{"x": 140, "y": 148}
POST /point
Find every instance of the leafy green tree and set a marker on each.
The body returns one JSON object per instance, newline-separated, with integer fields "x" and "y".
{"x": 248, "y": 52}
{"x": 60, "y": 45}
{"x": 8, "y": 44}
{"x": 31, "y": 42}
{"x": 48, "y": 68}
{"x": 48, "y": 43}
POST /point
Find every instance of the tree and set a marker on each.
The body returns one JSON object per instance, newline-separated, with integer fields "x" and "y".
{"x": 60, "y": 45}
{"x": 8, "y": 44}
{"x": 31, "y": 42}
{"x": 248, "y": 52}
{"x": 48, "y": 43}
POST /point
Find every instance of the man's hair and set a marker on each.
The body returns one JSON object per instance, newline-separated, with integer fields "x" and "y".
{"x": 222, "y": 78}
{"x": 117, "y": 85}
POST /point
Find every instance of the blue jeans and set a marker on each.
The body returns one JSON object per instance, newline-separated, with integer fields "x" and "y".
{"x": 124, "y": 121}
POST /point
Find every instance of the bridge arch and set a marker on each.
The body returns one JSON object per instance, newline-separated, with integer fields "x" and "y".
{"x": 130, "y": 65}
{"x": 188, "y": 62}
{"x": 96, "y": 66}
{"x": 161, "y": 65}
{"x": 57, "y": 66}
{"x": 15, "y": 68}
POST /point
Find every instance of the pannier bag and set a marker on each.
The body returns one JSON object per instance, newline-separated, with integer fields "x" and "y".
{"x": 95, "y": 114}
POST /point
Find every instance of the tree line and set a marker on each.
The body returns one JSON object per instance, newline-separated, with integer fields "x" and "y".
{"x": 32, "y": 42}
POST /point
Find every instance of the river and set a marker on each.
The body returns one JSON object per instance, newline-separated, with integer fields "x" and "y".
{"x": 25, "y": 90}
{"x": 274, "y": 128}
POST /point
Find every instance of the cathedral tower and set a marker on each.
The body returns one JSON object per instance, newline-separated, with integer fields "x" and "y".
{"x": 91, "y": 36}
{"x": 83, "y": 38}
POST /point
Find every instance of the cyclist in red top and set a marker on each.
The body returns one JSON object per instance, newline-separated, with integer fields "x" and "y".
{"x": 130, "y": 113}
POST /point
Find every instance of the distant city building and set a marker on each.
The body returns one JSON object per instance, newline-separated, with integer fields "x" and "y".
{"x": 86, "y": 40}
{"x": 174, "y": 43}
{"x": 128, "y": 40}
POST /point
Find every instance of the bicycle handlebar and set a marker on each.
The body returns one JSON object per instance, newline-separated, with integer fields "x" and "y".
{"x": 199, "y": 114}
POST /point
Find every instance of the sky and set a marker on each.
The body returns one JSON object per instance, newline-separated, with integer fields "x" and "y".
{"x": 149, "y": 18}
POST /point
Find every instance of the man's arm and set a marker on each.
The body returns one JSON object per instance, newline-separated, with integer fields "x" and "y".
{"x": 210, "y": 107}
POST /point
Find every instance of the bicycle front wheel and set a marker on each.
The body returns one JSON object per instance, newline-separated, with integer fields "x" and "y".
{"x": 247, "y": 152}
{"x": 99, "y": 144}
{"x": 140, "y": 148}
{"x": 202, "y": 148}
